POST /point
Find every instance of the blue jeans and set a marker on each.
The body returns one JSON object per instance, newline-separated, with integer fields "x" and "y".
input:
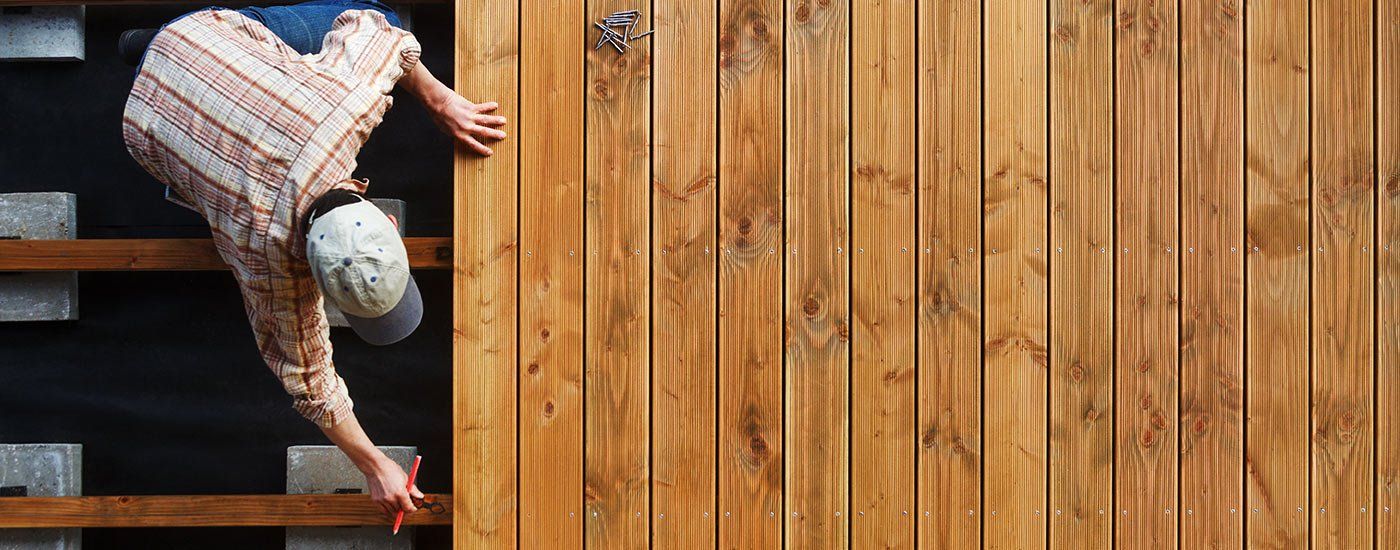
{"x": 303, "y": 26}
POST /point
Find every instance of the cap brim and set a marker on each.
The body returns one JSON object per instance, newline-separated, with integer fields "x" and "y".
{"x": 395, "y": 325}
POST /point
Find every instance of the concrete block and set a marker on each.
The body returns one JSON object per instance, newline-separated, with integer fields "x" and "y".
{"x": 324, "y": 469}
{"x": 41, "y": 470}
{"x": 39, "y": 296}
{"x": 49, "y": 33}
{"x": 395, "y": 207}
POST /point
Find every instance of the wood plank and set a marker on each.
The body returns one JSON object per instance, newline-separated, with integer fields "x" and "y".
{"x": 1148, "y": 300}
{"x": 750, "y": 308}
{"x": 949, "y": 274}
{"x": 1212, "y": 273}
{"x": 1015, "y": 194}
{"x": 164, "y": 254}
{"x": 551, "y": 271}
{"x": 1388, "y": 286}
{"x": 683, "y": 282}
{"x": 485, "y": 295}
{"x": 617, "y": 316}
{"x": 1081, "y": 275}
{"x": 1343, "y": 264}
{"x": 210, "y": 511}
{"x": 1276, "y": 106}
{"x": 817, "y": 286}
{"x": 882, "y": 281}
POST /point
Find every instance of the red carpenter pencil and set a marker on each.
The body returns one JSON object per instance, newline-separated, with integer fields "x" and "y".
{"x": 412, "y": 475}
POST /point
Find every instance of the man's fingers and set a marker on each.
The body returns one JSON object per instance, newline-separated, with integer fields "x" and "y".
{"x": 490, "y": 132}
{"x": 415, "y": 493}
{"x": 491, "y": 120}
{"x": 475, "y": 145}
{"x": 406, "y": 503}
{"x": 486, "y": 107}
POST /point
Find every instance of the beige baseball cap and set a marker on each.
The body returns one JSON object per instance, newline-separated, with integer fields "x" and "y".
{"x": 361, "y": 266}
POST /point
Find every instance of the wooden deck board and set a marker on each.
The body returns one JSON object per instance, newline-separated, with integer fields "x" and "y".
{"x": 1388, "y": 286}
{"x": 1015, "y": 194}
{"x": 209, "y": 511}
{"x": 484, "y": 282}
{"x": 551, "y": 275}
{"x": 1343, "y": 283}
{"x": 817, "y": 285}
{"x": 882, "y": 283}
{"x": 1081, "y": 275}
{"x": 1276, "y": 106}
{"x": 750, "y": 307}
{"x": 617, "y": 228}
{"x": 683, "y": 283}
{"x": 1149, "y": 293}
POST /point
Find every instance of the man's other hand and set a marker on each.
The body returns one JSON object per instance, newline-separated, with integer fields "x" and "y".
{"x": 469, "y": 123}
{"x": 387, "y": 482}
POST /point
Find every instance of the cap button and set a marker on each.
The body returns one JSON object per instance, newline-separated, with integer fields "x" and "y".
{"x": 346, "y": 261}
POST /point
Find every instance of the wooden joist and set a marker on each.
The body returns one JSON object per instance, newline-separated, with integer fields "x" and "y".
{"x": 164, "y": 254}
{"x": 210, "y": 511}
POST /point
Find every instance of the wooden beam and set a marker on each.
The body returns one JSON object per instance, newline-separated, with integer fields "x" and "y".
{"x": 164, "y": 254}
{"x": 209, "y": 511}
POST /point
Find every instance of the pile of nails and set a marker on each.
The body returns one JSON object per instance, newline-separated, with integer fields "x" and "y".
{"x": 624, "y": 21}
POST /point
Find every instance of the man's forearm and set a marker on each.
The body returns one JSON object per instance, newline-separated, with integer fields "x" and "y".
{"x": 432, "y": 93}
{"x": 352, "y": 440}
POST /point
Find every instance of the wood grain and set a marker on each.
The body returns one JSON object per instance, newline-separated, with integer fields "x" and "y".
{"x": 484, "y": 282}
{"x": 750, "y": 305}
{"x": 1015, "y": 224}
{"x": 1212, "y": 273}
{"x": 164, "y": 254}
{"x": 683, "y": 280}
{"x": 882, "y": 282}
{"x": 817, "y": 285}
{"x": 1081, "y": 275}
{"x": 1276, "y": 106}
{"x": 1147, "y": 303}
{"x": 551, "y": 275}
{"x": 1388, "y": 264}
{"x": 209, "y": 511}
{"x": 617, "y": 386}
{"x": 1343, "y": 264}
{"x": 949, "y": 307}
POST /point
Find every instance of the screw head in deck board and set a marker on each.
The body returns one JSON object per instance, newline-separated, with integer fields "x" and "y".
{"x": 44, "y": 470}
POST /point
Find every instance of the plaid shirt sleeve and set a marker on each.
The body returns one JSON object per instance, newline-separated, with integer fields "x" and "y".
{"x": 365, "y": 44}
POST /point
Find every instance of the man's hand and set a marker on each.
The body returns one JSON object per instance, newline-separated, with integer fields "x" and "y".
{"x": 469, "y": 123}
{"x": 386, "y": 481}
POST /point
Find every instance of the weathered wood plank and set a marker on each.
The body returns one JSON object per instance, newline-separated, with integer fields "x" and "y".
{"x": 1148, "y": 298}
{"x": 683, "y": 285}
{"x": 1388, "y": 285}
{"x": 551, "y": 275}
{"x": 484, "y": 279}
{"x": 882, "y": 282}
{"x": 1212, "y": 273}
{"x": 1015, "y": 194}
{"x": 209, "y": 511}
{"x": 164, "y": 254}
{"x": 817, "y": 287}
{"x": 617, "y": 356}
{"x": 1081, "y": 274}
{"x": 751, "y": 310}
{"x": 1276, "y": 106}
{"x": 1343, "y": 283}
{"x": 949, "y": 304}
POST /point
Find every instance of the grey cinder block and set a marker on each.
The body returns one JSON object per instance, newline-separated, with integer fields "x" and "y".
{"x": 324, "y": 469}
{"x": 389, "y": 206}
{"x": 39, "y": 296}
{"x": 42, "y": 470}
{"x": 48, "y": 33}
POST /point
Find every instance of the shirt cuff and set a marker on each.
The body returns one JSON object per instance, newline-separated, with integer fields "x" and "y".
{"x": 328, "y": 411}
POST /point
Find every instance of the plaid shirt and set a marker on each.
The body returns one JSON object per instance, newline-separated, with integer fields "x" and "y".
{"x": 249, "y": 133}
